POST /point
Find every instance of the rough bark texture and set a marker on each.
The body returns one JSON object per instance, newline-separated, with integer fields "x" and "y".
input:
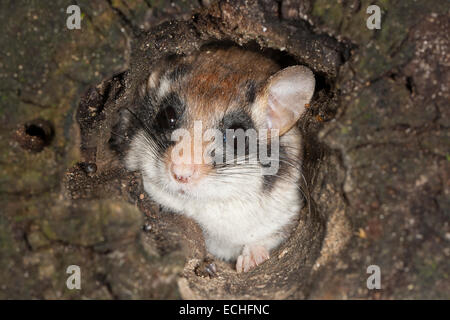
{"x": 376, "y": 159}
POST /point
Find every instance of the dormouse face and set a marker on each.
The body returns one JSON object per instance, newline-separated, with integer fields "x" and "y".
{"x": 209, "y": 124}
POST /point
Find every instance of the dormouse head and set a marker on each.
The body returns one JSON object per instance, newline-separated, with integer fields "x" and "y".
{"x": 218, "y": 124}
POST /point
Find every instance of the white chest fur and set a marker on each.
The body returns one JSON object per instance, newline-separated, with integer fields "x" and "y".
{"x": 229, "y": 225}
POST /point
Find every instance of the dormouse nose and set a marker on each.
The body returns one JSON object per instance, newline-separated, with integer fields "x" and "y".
{"x": 182, "y": 172}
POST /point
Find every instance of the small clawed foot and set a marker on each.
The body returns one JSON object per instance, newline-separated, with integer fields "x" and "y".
{"x": 251, "y": 257}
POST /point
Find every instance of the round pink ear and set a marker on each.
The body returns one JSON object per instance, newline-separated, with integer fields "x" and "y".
{"x": 287, "y": 93}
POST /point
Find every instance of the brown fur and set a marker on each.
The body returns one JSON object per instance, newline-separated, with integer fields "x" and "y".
{"x": 217, "y": 82}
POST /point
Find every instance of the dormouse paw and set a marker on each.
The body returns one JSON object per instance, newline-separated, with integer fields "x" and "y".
{"x": 252, "y": 256}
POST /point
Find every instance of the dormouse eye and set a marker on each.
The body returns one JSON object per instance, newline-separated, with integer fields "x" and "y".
{"x": 167, "y": 118}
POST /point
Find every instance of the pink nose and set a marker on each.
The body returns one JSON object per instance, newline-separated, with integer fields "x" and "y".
{"x": 183, "y": 173}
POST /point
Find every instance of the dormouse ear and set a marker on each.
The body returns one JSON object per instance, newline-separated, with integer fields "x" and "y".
{"x": 285, "y": 96}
